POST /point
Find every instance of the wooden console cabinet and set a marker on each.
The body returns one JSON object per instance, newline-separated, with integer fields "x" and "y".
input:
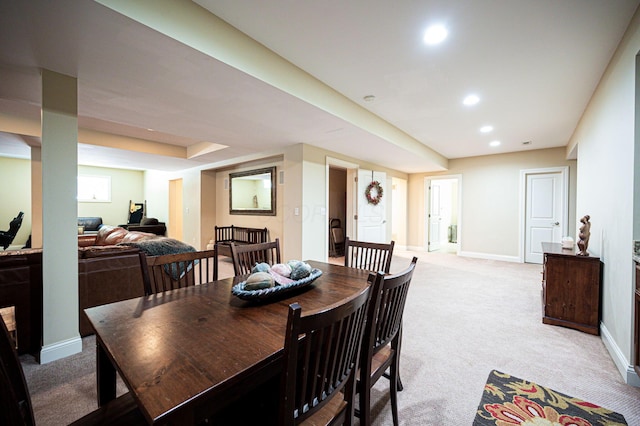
{"x": 571, "y": 289}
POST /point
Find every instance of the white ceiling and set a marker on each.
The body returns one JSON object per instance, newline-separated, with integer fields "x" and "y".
{"x": 535, "y": 65}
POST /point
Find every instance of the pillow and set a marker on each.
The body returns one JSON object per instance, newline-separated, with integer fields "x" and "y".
{"x": 133, "y": 236}
{"x": 148, "y": 221}
{"x": 108, "y": 235}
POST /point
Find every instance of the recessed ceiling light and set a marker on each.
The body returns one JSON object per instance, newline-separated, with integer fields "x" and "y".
{"x": 494, "y": 143}
{"x": 471, "y": 100}
{"x": 435, "y": 34}
{"x": 369, "y": 98}
{"x": 486, "y": 129}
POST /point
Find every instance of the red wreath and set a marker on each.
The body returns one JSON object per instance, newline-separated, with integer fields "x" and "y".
{"x": 378, "y": 189}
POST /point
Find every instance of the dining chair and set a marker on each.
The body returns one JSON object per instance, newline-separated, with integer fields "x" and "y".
{"x": 321, "y": 352}
{"x": 245, "y": 256}
{"x": 383, "y": 338}
{"x": 370, "y": 256}
{"x": 172, "y": 271}
{"x": 15, "y": 401}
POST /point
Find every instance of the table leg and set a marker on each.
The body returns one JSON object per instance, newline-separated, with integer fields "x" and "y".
{"x": 106, "y": 377}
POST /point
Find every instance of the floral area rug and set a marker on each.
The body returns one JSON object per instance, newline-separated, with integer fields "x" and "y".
{"x": 508, "y": 401}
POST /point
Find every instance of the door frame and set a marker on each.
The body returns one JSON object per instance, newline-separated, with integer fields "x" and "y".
{"x": 427, "y": 208}
{"x": 564, "y": 172}
{"x": 351, "y": 207}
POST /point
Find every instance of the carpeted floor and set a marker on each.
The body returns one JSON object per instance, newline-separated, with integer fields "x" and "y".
{"x": 464, "y": 318}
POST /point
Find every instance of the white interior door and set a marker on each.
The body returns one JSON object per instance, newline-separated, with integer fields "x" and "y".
{"x": 434, "y": 217}
{"x": 372, "y": 221}
{"x": 546, "y": 212}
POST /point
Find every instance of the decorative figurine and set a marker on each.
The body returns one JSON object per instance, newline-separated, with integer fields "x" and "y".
{"x": 583, "y": 236}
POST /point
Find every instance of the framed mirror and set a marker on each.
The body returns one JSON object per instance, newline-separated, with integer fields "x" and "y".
{"x": 253, "y": 192}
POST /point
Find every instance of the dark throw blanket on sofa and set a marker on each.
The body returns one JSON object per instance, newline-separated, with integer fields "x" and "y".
{"x": 161, "y": 246}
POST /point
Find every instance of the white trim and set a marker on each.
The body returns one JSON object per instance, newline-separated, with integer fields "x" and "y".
{"x": 336, "y": 162}
{"x": 626, "y": 370}
{"x": 331, "y": 161}
{"x": 350, "y": 225}
{"x": 489, "y": 256}
{"x": 564, "y": 171}
{"x": 60, "y": 350}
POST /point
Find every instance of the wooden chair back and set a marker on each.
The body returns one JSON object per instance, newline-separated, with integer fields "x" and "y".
{"x": 172, "y": 271}
{"x": 15, "y": 402}
{"x": 245, "y": 256}
{"x": 373, "y": 257}
{"x": 383, "y": 334}
{"x": 321, "y": 353}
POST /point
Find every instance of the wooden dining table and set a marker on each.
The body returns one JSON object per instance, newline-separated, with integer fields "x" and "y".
{"x": 188, "y": 353}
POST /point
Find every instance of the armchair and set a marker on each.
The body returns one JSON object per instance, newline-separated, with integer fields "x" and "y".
{"x": 6, "y": 237}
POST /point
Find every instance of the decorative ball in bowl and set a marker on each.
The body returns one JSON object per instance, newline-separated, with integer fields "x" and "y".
{"x": 267, "y": 281}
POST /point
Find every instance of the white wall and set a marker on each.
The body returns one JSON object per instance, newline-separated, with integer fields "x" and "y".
{"x": 126, "y": 185}
{"x": 398, "y": 198}
{"x": 490, "y": 222}
{"x": 15, "y": 194}
{"x": 223, "y": 218}
{"x": 605, "y": 147}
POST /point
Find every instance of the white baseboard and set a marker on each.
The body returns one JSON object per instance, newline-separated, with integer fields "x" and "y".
{"x": 60, "y": 350}
{"x": 489, "y": 256}
{"x": 626, "y": 370}
{"x": 476, "y": 255}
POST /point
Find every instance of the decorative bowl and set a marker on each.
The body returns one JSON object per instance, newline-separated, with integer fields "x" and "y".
{"x": 267, "y": 293}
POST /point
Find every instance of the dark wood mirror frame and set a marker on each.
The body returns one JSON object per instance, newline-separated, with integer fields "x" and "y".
{"x": 260, "y": 201}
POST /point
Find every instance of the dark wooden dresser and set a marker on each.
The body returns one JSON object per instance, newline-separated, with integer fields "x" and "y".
{"x": 571, "y": 289}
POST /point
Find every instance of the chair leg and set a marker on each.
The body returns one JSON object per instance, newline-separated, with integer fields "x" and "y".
{"x": 399, "y": 381}
{"x": 399, "y": 384}
{"x": 395, "y": 379}
{"x": 365, "y": 403}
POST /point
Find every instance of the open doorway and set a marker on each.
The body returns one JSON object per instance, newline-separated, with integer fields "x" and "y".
{"x": 337, "y": 210}
{"x": 442, "y": 227}
{"x": 341, "y": 184}
{"x": 175, "y": 209}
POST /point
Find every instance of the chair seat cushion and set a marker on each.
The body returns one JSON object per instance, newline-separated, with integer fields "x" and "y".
{"x": 334, "y": 410}
{"x": 380, "y": 361}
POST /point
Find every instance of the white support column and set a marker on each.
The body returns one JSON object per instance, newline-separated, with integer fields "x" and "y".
{"x": 36, "y": 196}
{"x": 59, "y": 217}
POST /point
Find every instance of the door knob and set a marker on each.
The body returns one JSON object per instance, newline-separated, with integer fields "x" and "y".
{"x": 556, "y": 223}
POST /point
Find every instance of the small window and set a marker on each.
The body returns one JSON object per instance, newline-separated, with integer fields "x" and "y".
{"x": 94, "y": 189}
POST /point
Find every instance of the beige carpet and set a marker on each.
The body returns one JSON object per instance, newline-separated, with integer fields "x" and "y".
{"x": 464, "y": 318}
